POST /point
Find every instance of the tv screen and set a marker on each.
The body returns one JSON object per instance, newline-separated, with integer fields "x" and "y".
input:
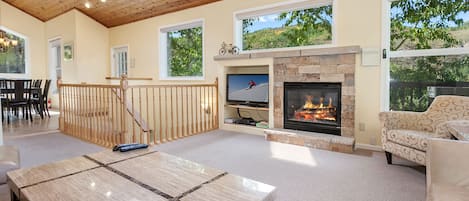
{"x": 248, "y": 88}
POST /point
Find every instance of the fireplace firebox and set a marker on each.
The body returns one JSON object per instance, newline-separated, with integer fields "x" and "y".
{"x": 314, "y": 107}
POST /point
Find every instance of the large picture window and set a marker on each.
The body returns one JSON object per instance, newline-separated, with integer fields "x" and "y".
{"x": 429, "y": 44}
{"x": 12, "y": 53}
{"x": 305, "y": 23}
{"x": 182, "y": 51}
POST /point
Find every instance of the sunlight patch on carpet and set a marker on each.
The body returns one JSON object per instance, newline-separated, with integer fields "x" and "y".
{"x": 291, "y": 153}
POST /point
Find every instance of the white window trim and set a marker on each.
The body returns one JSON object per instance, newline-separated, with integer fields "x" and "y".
{"x": 429, "y": 52}
{"x": 163, "y": 70}
{"x": 278, "y": 8}
{"x": 27, "y": 57}
{"x": 386, "y": 37}
{"x": 113, "y": 67}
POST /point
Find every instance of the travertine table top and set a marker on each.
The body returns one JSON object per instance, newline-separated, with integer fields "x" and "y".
{"x": 169, "y": 174}
{"x": 108, "y": 156}
{"x": 235, "y": 188}
{"x": 95, "y": 185}
{"x": 142, "y": 175}
{"x": 34, "y": 175}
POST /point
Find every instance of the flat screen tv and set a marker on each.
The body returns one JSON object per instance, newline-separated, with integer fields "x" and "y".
{"x": 250, "y": 89}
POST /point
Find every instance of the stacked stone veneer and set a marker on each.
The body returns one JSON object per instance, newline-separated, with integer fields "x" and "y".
{"x": 335, "y": 68}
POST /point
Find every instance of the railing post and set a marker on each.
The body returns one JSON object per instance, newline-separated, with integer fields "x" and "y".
{"x": 123, "y": 88}
{"x": 61, "y": 107}
{"x": 217, "y": 106}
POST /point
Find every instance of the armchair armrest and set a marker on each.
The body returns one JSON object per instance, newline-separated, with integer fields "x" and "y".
{"x": 403, "y": 120}
{"x": 447, "y": 163}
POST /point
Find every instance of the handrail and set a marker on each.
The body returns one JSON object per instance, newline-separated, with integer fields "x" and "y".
{"x": 129, "y": 78}
{"x": 136, "y": 116}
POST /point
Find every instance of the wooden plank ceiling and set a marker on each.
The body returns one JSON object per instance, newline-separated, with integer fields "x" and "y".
{"x": 110, "y": 13}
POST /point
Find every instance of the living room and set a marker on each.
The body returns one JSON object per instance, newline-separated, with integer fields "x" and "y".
{"x": 319, "y": 100}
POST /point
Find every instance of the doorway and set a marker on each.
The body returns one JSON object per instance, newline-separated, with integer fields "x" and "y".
{"x": 55, "y": 63}
{"x": 120, "y": 60}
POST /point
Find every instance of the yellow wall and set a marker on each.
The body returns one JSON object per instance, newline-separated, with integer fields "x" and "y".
{"x": 63, "y": 27}
{"x": 91, "y": 50}
{"x": 33, "y": 29}
{"x": 357, "y": 23}
{"x": 90, "y": 42}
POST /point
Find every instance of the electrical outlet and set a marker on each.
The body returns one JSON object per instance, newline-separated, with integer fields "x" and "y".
{"x": 373, "y": 141}
{"x": 361, "y": 126}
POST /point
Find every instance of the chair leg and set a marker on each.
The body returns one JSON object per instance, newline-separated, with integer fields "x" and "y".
{"x": 388, "y": 157}
{"x": 30, "y": 112}
{"x": 46, "y": 109}
{"x": 8, "y": 115}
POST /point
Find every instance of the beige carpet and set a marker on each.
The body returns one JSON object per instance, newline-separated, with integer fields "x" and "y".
{"x": 300, "y": 174}
{"x": 303, "y": 174}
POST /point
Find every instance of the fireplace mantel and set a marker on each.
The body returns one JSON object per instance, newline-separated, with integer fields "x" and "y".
{"x": 292, "y": 53}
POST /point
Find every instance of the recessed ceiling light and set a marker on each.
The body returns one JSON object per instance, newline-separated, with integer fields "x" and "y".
{"x": 104, "y": 1}
{"x": 88, "y": 4}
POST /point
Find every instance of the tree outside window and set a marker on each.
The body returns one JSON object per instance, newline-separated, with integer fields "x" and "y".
{"x": 417, "y": 27}
{"x": 184, "y": 53}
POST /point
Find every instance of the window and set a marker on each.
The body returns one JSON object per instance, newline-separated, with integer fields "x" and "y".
{"x": 120, "y": 61}
{"x": 429, "y": 52}
{"x": 294, "y": 24}
{"x": 12, "y": 53}
{"x": 181, "y": 50}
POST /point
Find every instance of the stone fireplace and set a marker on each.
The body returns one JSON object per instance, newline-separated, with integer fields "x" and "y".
{"x": 314, "y": 107}
{"x": 328, "y": 69}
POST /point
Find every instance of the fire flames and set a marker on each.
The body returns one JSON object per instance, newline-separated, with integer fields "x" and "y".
{"x": 314, "y": 112}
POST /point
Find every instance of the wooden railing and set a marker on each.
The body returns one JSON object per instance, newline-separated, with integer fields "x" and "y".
{"x": 152, "y": 114}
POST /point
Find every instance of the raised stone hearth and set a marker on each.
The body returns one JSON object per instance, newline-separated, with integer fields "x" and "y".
{"x": 311, "y": 140}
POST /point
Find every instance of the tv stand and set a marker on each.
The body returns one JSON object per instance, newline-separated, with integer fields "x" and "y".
{"x": 230, "y": 119}
{"x": 254, "y": 104}
{"x": 246, "y": 121}
{"x": 248, "y": 107}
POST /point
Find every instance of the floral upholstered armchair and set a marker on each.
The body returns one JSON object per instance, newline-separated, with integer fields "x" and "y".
{"x": 406, "y": 134}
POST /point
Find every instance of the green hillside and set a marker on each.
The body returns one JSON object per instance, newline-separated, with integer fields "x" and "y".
{"x": 284, "y": 37}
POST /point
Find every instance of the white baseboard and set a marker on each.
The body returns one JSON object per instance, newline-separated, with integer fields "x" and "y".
{"x": 368, "y": 147}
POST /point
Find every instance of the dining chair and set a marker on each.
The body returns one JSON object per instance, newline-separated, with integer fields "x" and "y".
{"x": 37, "y": 83}
{"x": 40, "y": 102}
{"x": 3, "y": 95}
{"x": 18, "y": 96}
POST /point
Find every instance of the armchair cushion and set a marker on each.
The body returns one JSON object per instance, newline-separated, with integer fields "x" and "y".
{"x": 9, "y": 160}
{"x": 442, "y": 192}
{"x": 447, "y": 170}
{"x": 410, "y": 138}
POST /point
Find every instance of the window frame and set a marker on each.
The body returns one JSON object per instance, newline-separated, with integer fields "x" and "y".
{"x": 293, "y": 5}
{"x": 26, "y": 56}
{"x": 386, "y": 62}
{"x": 114, "y": 69}
{"x": 163, "y": 55}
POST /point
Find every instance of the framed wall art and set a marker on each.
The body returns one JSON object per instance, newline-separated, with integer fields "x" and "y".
{"x": 68, "y": 51}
